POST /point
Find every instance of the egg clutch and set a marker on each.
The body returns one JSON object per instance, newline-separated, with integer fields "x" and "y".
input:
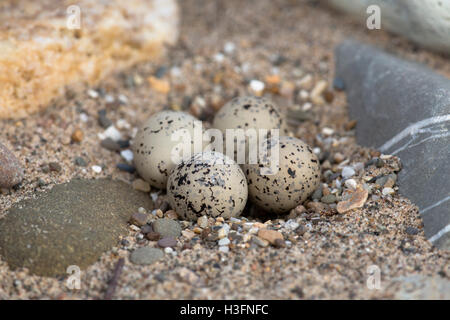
{"x": 205, "y": 178}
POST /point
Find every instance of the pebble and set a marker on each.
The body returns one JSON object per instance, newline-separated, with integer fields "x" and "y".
{"x": 260, "y": 242}
{"x": 126, "y": 167}
{"x": 350, "y": 183}
{"x": 11, "y": 171}
{"x": 146, "y": 228}
{"x": 291, "y": 225}
{"x": 356, "y": 199}
{"x": 222, "y": 233}
{"x": 159, "y": 85}
{"x": 270, "y": 235}
{"x": 306, "y": 82}
{"x": 77, "y": 136}
{"x": 317, "y": 194}
{"x": 79, "y": 161}
{"x": 202, "y": 222}
{"x": 168, "y": 250}
{"x": 139, "y": 219}
{"x": 167, "y": 242}
{"x": 327, "y": 131}
{"x": 110, "y": 144}
{"x": 224, "y": 249}
{"x": 103, "y": 120}
{"x": 317, "y": 91}
{"x": 256, "y": 87}
{"x": 280, "y": 243}
{"x": 224, "y": 242}
{"x": 331, "y": 198}
{"x": 171, "y": 214}
{"x": 54, "y": 166}
{"x": 167, "y": 227}
{"x": 96, "y": 169}
{"x": 93, "y": 94}
{"x": 146, "y": 255}
{"x": 112, "y": 133}
{"x": 153, "y": 236}
{"x": 316, "y": 206}
{"x": 141, "y": 185}
{"x": 387, "y": 191}
{"x": 347, "y": 172}
{"x": 123, "y": 144}
{"x": 188, "y": 234}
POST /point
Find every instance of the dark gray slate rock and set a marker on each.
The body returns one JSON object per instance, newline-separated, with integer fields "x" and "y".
{"x": 72, "y": 224}
{"x": 403, "y": 108}
{"x": 11, "y": 172}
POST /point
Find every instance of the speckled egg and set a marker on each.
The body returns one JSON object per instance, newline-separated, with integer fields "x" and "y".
{"x": 209, "y": 183}
{"x": 249, "y": 112}
{"x": 153, "y": 145}
{"x": 295, "y": 178}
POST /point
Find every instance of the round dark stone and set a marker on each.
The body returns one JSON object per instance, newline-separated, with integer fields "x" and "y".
{"x": 71, "y": 224}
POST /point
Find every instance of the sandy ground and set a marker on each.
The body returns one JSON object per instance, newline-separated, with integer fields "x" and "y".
{"x": 288, "y": 38}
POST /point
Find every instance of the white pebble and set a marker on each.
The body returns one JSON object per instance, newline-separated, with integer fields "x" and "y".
{"x": 96, "y": 169}
{"x": 224, "y": 249}
{"x": 387, "y": 191}
{"x": 307, "y": 106}
{"x": 92, "y": 93}
{"x": 127, "y": 155}
{"x": 229, "y": 47}
{"x": 168, "y": 250}
{"x": 123, "y": 124}
{"x": 304, "y": 95}
{"x": 291, "y": 224}
{"x": 316, "y": 150}
{"x": 109, "y": 98}
{"x": 350, "y": 183}
{"x": 112, "y": 133}
{"x": 84, "y": 117}
{"x": 219, "y": 57}
{"x": 123, "y": 98}
{"x": 175, "y": 72}
{"x": 154, "y": 196}
{"x": 327, "y": 131}
{"x": 224, "y": 242}
{"x": 257, "y": 86}
{"x": 253, "y": 230}
{"x": 347, "y": 172}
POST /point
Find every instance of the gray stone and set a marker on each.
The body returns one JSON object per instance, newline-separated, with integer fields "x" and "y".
{"x": 167, "y": 228}
{"x": 72, "y": 224}
{"x": 167, "y": 242}
{"x": 417, "y": 287}
{"x": 403, "y": 108}
{"x": 424, "y": 22}
{"x": 11, "y": 172}
{"x": 328, "y": 199}
{"x": 146, "y": 255}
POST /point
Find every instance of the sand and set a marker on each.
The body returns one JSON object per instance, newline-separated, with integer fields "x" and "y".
{"x": 329, "y": 261}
